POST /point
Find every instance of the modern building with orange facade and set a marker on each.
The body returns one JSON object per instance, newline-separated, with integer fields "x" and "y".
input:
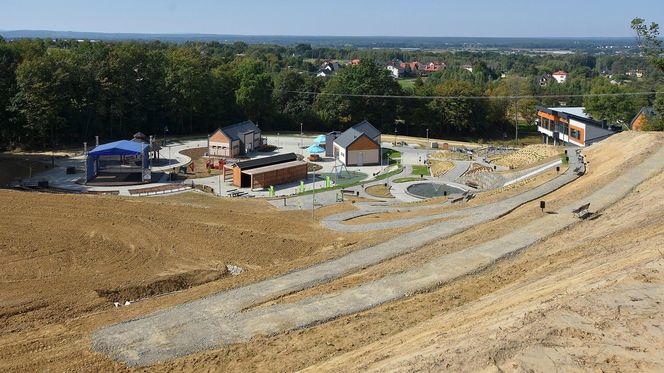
{"x": 571, "y": 126}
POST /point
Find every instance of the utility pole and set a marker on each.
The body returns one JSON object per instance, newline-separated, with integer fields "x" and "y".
{"x": 313, "y": 198}
{"x": 428, "y": 142}
{"x": 301, "y": 138}
{"x": 516, "y": 120}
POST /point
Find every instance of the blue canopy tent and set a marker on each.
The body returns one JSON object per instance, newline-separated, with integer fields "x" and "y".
{"x": 321, "y": 139}
{"x": 117, "y": 154}
{"x": 315, "y": 149}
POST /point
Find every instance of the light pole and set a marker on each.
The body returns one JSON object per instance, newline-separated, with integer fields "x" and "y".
{"x": 301, "y": 138}
{"x": 516, "y": 121}
{"x": 428, "y": 142}
{"x": 313, "y": 198}
{"x": 170, "y": 172}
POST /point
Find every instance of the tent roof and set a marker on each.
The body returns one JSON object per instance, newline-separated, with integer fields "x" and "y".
{"x": 315, "y": 149}
{"x": 122, "y": 147}
{"x": 320, "y": 139}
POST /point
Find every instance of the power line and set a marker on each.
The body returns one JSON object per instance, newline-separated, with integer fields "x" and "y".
{"x": 471, "y": 97}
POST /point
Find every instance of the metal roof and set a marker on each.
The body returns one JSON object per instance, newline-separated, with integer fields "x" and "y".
{"x": 274, "y": 167}
{"x": 348, "y": 137}
{"x": 367, "y": 128}
{"x": 267, "y": 161}
{"x": 234, "y": 131}
{"x": 122, "y": 147}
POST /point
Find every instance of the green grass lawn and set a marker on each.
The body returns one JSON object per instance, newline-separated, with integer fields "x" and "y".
{"x": 350, "y": 181}
{"x": 420, "y": 170}
{"x": 405, "y": 179}
{"x": 407, "y": 83}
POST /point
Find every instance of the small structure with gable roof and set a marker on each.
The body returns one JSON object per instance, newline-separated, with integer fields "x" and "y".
{"x": 359, "y": 145}
{"x": 645, "y": 115}
{"x": 234, "y": 140}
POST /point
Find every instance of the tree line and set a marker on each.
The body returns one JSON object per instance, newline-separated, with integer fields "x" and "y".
{"x": 57, "y": 93}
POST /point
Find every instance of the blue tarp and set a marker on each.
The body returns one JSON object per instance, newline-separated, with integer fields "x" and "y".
{"x": 320, "y": 139}
{"x": 122, "y": 147}
{"x": 315, "y": 149}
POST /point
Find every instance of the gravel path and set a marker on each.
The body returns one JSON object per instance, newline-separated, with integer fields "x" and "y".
{"x": 218, "y": 320}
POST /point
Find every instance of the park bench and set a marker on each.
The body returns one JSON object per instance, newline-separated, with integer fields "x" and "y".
{"x": 457, "y": 200}
{"x": 582, "y": 212}
{"x": 469, "y": 197}
{"x": 472, "y": 184}
{"x": 347, "y": 191}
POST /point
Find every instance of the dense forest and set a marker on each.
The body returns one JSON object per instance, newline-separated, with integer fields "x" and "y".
{"x": 64, "y": 92}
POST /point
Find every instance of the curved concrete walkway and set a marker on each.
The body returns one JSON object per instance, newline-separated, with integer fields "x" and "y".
{"x": 219, "y": 319}
{"x": 475, "y": 215}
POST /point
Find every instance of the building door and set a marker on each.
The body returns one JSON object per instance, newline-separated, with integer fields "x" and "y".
{"x": 360, "y": 159}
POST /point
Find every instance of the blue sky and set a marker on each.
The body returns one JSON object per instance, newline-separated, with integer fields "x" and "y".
{"x": 507, "y": 18}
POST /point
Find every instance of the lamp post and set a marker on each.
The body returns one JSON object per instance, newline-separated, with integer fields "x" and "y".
{"x": 428, "y": 142}
{"x": 313, "y": 198}
{"x": 301, "y": 138}
{"x": 170, "y": 174}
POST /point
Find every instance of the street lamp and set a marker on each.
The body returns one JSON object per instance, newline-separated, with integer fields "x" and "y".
{"x": 428, "y": 142}
{"x": 301, "y": 137}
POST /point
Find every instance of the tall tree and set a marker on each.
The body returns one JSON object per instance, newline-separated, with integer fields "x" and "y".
{"x": 617, "y": 106}
{"x": 9, "y": 60}
{"x": 347, "y": 96}
{"x": 43, "y": 97}
{"x": 457, "y": 114}
{"x": 649, "y": 41}
{"x": 254, "y": 93}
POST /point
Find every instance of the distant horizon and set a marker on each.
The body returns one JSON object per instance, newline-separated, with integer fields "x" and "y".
{"x": 312, "y": 35}
{"x": 347, "y": 18}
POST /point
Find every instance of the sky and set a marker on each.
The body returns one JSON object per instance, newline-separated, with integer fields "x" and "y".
{"x": 506, "y": 18}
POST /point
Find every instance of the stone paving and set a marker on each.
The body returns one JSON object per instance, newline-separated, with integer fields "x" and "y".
{"x": 227, "y": 318}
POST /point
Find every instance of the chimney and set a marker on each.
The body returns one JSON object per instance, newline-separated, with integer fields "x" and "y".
{"x": 96, "y": 140}
{"x": 605, "y": 123}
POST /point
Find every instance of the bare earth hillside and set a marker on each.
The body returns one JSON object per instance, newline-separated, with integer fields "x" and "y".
{"x": 588, "y": 298}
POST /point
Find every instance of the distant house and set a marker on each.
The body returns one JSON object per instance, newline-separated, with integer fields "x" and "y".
{"x": 395, "y": 71}
{"x": 328, "y": 68}
{"x": 560, "y": 76}
{"x": 571, "y": 126}
{"x": 635, "y": 73}
{"x": 435, "y": 66}
{"x": 359, "y": 145}
{"x": 355, "y": 61}
{"x": 410, "y": 68}
{"x": 645, "y": 115}
{"x": 467, "y": 68}
{"x": 544, "y": 79}
{"x": 234, "y": 140}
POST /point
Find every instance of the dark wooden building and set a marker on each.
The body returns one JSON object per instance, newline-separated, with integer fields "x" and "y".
{"x": 263, "y": 172}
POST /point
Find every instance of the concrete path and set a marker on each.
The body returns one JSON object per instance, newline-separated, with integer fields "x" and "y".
{"x": 463, "y": 219}
{"x": 218, "y": 320}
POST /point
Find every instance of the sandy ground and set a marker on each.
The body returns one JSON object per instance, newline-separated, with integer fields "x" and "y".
{"x": 62, "y": 255}
{"x": 529, "y": 156}
{"x": 589, "y": 298}
{"x": 595, "y": 303}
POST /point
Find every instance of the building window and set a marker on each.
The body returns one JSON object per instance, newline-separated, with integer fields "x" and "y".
{"x": 575, "y": 134}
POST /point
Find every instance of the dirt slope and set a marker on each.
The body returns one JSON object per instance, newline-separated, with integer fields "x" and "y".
{"x": 64, "y": 259}
{"x": 56, "y": 251}
{"x": 596, "y": 302}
